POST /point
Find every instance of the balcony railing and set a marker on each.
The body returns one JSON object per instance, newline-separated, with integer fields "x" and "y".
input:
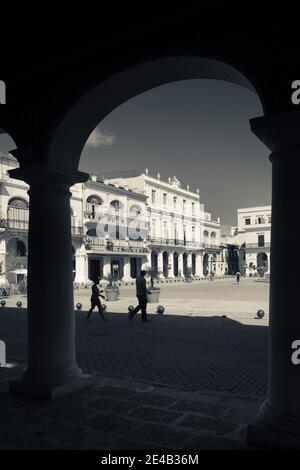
{"x": 19, "y": 224}
{"x": 258, "y": 245}
{"x": 134, "y": 246}
{"x": 183, "y": 243}
{"x": 16, "y": 224}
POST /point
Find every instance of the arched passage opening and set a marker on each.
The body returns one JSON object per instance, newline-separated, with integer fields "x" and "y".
{"x": 94, "y": 105}
{"x": 262, "y": 263}
{"x": 165, "y": 264}
{"x": 175, "y": 262}
{"x": 66, "y": 145}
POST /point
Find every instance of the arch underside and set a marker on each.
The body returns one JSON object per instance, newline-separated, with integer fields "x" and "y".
{"x": 77, "y": 124}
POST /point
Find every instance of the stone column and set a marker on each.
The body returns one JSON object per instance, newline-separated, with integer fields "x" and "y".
{"x": 171, "y": 264}
{"x": 52, "y": 369}
{"x": 106, "y": 266}
{"x": 80, "y": 265}
{"x": 160, "y": 266}
{"x": 199, "y": 265}
{"x": 278, "y": 422}
{"x": 180, "y": 264}
{"x": 126, "y": 271}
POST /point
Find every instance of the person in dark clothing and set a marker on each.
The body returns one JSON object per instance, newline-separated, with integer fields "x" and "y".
{"x": 141, "y": 293}
{"x": 238, "y": 275}
{"x": 95, "y": 301}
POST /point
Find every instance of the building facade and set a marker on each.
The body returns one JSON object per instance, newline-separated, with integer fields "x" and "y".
{"x": 183, "y": 238}
{"x": 254, "y": 238}
{"x": 119, "y": 226}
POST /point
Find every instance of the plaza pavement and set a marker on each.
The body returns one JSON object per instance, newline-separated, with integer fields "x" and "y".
{"x": 181, "y": 381}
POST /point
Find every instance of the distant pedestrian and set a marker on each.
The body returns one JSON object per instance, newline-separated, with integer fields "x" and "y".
{"x": 141, "y": 293}
{"x": 238, "y": 275}
{"x": 95, "y": 301}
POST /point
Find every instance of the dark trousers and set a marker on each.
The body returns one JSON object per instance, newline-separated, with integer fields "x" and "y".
{"x": 95, "y": 302}
{"x": 141, "y": 306}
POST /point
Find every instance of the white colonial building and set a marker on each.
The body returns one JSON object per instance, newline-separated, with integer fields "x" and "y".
{"x": 254, "y": 238}
{"x": 183, "y": 237}
{"x": 119, "y": 226}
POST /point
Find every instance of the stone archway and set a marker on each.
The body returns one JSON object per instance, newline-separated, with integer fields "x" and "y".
{"x": 193, "y": 264}
{"x": 175, "y": 264}
{"x": 262, "y": 263}
{"x": 154, "y": 263}
{"x": 185, "y": 264}
{"x": 166, "y": 263}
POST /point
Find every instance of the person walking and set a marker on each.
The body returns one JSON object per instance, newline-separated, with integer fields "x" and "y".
{"x": 95, "y": 301}
{"x": 141, "y": 293}
{"x": 238, "y": 275}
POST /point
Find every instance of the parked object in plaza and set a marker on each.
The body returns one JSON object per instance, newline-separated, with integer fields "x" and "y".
{"x": 103, "y": 307}
{"x": 112, "y": 292}
{"x": 19, "y": 304}
{"x": 3, "y": 303}
{"x": 152, "y": 292}
{"x": 260, "y": 314}
{"x": 130, "y": 308}
{"x": 188, "y": 276}
{"x": 5, "y": 291}
{"x": 160, "y": 309}
{"x": 79, "y": 306}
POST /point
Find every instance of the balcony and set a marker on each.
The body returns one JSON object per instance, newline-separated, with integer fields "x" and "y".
{"x": 117, "y": 246}
{"x": 175, "y": 242}
{"x": 257, "y": 245}
{"x": 22, "y": 225}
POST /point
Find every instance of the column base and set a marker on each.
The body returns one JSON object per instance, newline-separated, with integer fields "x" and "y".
{"x": 49, "y": 391}
{"x": 274, "y": 430}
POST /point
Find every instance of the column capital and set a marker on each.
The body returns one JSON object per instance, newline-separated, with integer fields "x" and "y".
{"x": 46, "y": 176}
{"x": 278, "y": 131}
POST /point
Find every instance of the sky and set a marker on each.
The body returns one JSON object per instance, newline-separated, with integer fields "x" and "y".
{"x": 197, "y": 130}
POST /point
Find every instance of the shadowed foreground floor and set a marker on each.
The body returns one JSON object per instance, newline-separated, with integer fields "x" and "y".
{"x": 178, "y": 382}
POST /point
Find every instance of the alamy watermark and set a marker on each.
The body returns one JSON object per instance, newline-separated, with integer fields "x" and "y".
{"x": 2, "y": 92}
{"x": 296, "y": 94}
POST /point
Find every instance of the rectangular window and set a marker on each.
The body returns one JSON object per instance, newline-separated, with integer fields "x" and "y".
{"x": 184, "y": 234}
{"x": 175, "y": 233}
{"x": 248, "y": 221}
{"x": 260, "y": 220}
{"x": 166, "y": 234}
{"x": 261, "y": 240}
{"x": 154, "y": 228}
{"x": 193, "y": 208}
{"x": 183, "y": 205}
{"x": 175, "y": 203}
{"x": 153, "y": 196}
{"x": 269, "y": 219}
{"x": 193, "y": 234}
{"x": 164, "y": 199}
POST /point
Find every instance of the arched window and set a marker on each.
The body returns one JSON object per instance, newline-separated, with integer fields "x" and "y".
{"x": 213, "y": 234}
{"x": 135, "y": 210}
{"x": 18, "y": 203}
{"x": 93, "y": 203}
{"x": 18, "y": 213}
{"x": 116, "y": 204}
{"x": 205, "y": 233}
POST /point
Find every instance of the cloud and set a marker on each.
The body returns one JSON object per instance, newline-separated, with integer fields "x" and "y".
{"x": 99, "y": 138}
